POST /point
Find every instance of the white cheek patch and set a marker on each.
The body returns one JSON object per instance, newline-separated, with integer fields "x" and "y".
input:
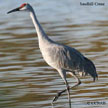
{"x": 24, "y": 8}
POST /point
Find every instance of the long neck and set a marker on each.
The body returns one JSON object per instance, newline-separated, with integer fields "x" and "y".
{"x": 40, "y": 32}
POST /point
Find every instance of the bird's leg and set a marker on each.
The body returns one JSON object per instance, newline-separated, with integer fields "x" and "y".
{"x": 60, "y": 93}
{"x": 63, "y": 75}
{"x": 68, "y": 92}
{"x": 78, "y": 80}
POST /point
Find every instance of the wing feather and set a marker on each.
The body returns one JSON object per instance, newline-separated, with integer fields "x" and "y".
{"x": 72, "y": 60}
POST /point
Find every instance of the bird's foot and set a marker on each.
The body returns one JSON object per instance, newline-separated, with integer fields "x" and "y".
{"x": 58, "y": 95}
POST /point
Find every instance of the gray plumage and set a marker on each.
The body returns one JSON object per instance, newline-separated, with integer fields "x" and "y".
{"x": 61, "y": 57}
{"x": 69, "y": 59}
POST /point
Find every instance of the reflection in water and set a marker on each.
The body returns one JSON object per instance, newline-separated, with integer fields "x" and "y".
{"x": 26, "y": 81}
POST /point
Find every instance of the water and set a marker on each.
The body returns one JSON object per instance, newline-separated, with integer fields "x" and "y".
{"x": 26, "y": 81}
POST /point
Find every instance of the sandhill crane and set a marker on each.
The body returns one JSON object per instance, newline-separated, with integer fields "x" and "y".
{"x": 61, "y": 57}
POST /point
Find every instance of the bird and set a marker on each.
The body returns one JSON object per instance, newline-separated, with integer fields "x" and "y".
{"x": 63, "y": 58}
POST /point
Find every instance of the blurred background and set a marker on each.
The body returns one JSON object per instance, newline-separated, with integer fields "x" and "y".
{"x": 26, "y": 81}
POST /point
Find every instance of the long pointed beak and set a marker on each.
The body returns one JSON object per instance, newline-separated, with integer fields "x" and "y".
{"x": 14, "y": 10}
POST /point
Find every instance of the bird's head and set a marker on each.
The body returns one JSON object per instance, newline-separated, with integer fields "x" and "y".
{"x": 23, "y": 7}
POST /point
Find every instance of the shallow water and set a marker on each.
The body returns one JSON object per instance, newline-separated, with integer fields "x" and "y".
{"x": 26, "y": 81}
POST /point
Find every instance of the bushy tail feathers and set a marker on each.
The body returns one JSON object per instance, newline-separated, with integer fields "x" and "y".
{"x": 89, "y": 68}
